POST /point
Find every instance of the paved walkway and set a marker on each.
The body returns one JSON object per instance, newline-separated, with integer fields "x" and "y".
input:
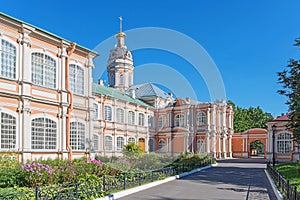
{"x": 233, "y": 179}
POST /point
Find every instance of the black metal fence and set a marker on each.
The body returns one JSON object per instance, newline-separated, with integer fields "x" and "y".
{"x": 108, "y": 184}
{"x": 290, "y": 192}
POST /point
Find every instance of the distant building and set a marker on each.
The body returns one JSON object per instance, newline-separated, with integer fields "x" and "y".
{"x": 286, "y": 149}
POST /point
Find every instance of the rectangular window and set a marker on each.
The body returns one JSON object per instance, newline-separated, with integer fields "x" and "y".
{"x": 76, "y": 79}
{"x": 7, "y": 60}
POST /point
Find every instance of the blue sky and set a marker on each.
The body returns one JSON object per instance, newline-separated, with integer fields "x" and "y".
{"x": 249, "y": 41}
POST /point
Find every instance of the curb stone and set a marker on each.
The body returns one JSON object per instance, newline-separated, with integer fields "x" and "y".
{"x": 274, "y": 188}
{"x": 149, "y": 185}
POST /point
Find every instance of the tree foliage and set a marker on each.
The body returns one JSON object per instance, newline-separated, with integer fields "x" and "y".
{"x": 247, "y": 118}
{"x": 132, "y": 148}
{"x": 289, "y": 78}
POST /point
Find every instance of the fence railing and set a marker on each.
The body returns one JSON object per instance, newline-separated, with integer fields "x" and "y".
{"x": 108, "y": 184}
{"x": 290, "y": 192}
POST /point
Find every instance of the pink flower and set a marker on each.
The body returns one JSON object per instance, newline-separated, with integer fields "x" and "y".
{"x": 22, "y": 167}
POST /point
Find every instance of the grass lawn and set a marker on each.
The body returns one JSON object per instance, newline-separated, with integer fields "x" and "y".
{"x": 291, "y": 172}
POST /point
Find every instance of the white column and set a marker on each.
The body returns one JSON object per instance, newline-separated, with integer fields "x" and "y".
{"x": 213, "y": 143}
{"x": 207, "y": 142}
{"x": 230, "y": 146}
{"x": 224, "y": 146}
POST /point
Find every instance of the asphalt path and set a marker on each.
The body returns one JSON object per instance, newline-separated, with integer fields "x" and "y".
{"x": 234, "y": 179}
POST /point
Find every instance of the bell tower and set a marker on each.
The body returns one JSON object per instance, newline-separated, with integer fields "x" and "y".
{"x": 120, "y": 67}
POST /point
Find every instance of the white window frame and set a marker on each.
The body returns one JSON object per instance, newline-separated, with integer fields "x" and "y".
{"x": 11, "y": 72}
{"x": 44, "y": 76}
{"x": 120, "y": 115}
{"x": 10, "y": 132}
{"x": 107, "y": 113}
{"x": 76, "y": 82}
{"x": 201, "y": 118}
{"x": 200, "y": 145}
{"x": 284, "y": 142}
{"x": 108, "y": 144}
{"x": 96, "y": 114}
{"x": 131, "y": 117}
{"x": 41, "y": 136}
{"x": 96, "y": 138}
{"x": 131, "y": 140}
{"x": 161, "y": 146}
{"x": 151, "y": 145}
{"x": 120, "y": 142}
{"x": 141, "y": 119}
{"x": 161, "y": 121}
{"x": 179, "y": 120}
{"x": 78, "y": 135}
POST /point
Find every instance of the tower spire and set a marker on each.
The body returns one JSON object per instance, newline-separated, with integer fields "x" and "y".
{"x": 121, "y": 19}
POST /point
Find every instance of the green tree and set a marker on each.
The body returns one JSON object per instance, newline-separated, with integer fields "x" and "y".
{"x": 132, "y": 148}
{"x": 257, "y": 144}
{"x": 289, "y": 78}
{"x": 247, "y": 118}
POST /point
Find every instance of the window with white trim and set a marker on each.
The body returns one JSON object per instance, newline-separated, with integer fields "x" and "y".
{"x": 43, "y": 133}
{"x": 96, "y": 142}
{"x": 96, "y": 114}
{"x": 141, "y": 119}
{"x": 43, "y": 70}
{"x": 120, "y": 115}
{"x": 121, "y": 79}
{"x": 284, "y": 142}
{"x": 120, "y": 143}
{"x": 151, "y": 145}
{"x": 200, "y": 145}
{"x": 161, "y": 146}
{"x": 107, "y": 113}
{"x": 7, "y": 60}
{"x": 76, "y": 79}
{"x": 201, "y": 119}
{"x": 179, "y": 120}
{"x": 161, "y": 121}
{"x": 150, "y": 121}
{"x": 77, "y": 136}
{"x": 8, "y": 131}
{"x": 108, "y": 143}
{"x": 131, "y": 140}
{"x": 131, "y": 117}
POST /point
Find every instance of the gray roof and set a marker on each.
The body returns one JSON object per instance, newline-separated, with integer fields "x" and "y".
{"x": 148, "y": 90}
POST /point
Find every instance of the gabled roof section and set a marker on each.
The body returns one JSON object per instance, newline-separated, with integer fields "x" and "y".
{"x": 285, "y": 117}
{"x": 149, "y": 90}
{"x": 115, "y": 93}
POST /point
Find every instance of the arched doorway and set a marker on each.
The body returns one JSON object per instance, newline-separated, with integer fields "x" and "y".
{"x": 142, "y": 143}
{"x": 257, "y": 148}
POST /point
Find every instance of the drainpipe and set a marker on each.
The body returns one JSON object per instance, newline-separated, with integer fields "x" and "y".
{"x": 103, "y": 119}
{"x": 70, "y": 101}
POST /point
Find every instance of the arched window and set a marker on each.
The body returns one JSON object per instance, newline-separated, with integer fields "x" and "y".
{"x": 141, "y": 119}
{"x": 96, "y": 142}
{"x": 151, "y": 145}
{"x": 8, "y": 131}
{"x": 120, "y": 143}
{"x": 284, "y": 142}
{"x": 108, "y": 143}
{"x": 200, "y": 146}
{"x": 179, "y": 120}
{"x": 120, "y": 115}
{"x": 131, "y": 117}
{"x": 77, "y": 136}
{"x": 131, "y": 140}
{"x": 150, "y": 121}
{"x": 43, "y": 70}
{"x": 161, "y": 146}
{"x": 201, "y": 119}
{"x": 43, "y": 133}
{"x": 161, "y": 121}
{"x": 7, "y": 60}
{"x": 107, "y": 113}
{"x": 121, "y": 79}
{"x": 76, "y": 79}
